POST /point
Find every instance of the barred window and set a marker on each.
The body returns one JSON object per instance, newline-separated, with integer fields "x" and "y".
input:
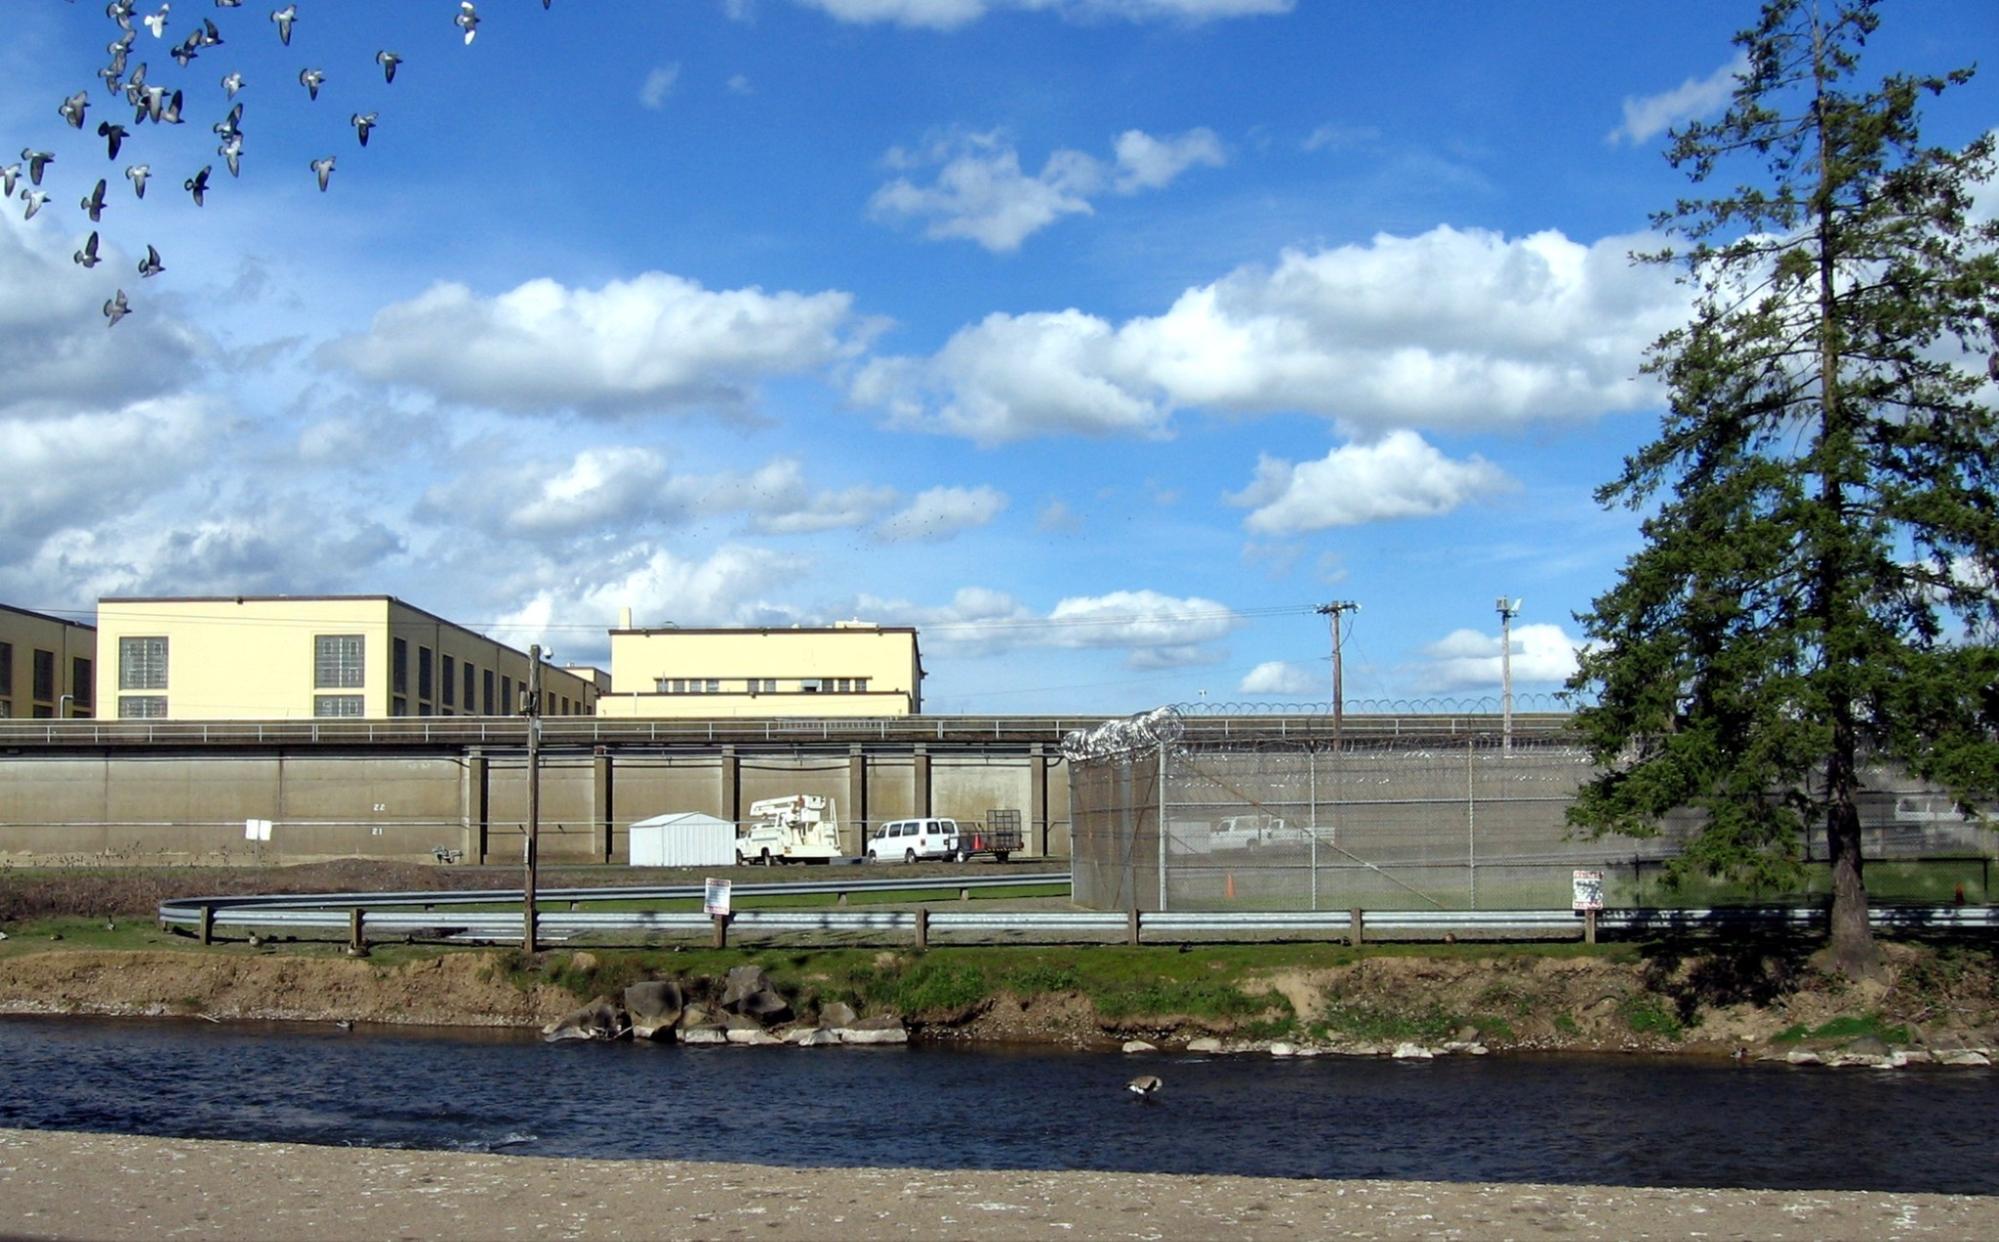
{"x": 486, "y": 690}
{"x": 471, "y": 699}
{"x": 337, "y": 662}
{"x": 142, "y": 664}
{"x": 142, "y": 706}
{"x": 337, "y": 705}
{"x": 423, "y": 675}
{"x": 82, "y": 685}
{"x": 449, "y": 676}
{"x": 45, "y": 676}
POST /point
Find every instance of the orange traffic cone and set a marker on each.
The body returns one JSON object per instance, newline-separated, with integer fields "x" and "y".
{"x": 1229, "y": 890}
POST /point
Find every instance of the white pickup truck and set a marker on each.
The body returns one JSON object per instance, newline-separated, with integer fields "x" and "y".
{"x": 1248, "y": 832}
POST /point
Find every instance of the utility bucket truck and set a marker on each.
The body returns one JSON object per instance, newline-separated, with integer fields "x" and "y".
{"x": 798, "y": 828}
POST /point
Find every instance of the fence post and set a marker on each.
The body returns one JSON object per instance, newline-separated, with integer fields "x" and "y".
{"x": 357, "y": 941}
{"x": 1589, "y": 926}
{"x": 922, "y": 927}
{"x": 207, "y": 923}
{"x": 1132, "y": 926}
{"x": 721, "y": 939}
{"x": 1355, "y": 921}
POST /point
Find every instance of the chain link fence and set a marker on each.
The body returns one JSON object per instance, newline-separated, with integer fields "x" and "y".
{"x": 1466, "y": 823}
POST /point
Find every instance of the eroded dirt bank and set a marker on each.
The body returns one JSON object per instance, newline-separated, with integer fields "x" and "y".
{"x": 1933, "y": 1003}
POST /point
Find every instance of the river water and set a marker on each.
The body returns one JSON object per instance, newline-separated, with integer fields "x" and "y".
{"x": 1573, "y": 1119}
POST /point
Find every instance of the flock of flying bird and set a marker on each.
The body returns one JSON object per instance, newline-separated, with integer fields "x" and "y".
{"x": 126, "y": 78}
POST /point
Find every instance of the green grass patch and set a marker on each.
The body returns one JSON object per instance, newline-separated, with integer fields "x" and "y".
{"x": 1567, "y": 1025}
{"x": 1648, "y": 1015}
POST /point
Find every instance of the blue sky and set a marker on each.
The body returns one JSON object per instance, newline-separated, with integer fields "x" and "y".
{"x": 1099, "y": 339}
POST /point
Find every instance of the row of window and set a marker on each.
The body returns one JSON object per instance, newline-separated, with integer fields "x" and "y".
{"x": 44, "y": 694}
{"x": 339, "y": 662}
{"x": 759, "y": 685}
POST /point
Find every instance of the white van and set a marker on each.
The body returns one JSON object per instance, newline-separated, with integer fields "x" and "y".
{"x": 913, "y": 839}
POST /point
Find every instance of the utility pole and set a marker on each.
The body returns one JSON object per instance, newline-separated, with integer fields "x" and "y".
{"x": 1508, "y": 609}
{"x": 531, "y": 708}
{"x": 1334, "y": 611}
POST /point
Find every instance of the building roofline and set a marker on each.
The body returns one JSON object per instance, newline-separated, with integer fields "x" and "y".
{"x": 768, "y": 629}
{"x": 43, "y": 616}
{"x": 326, "y": 599}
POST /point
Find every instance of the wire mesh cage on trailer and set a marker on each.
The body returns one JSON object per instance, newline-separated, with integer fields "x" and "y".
{"x": 1165, "y": 821}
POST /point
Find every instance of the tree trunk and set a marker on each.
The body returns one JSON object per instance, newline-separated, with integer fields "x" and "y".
{"x": 1851, "y": 948}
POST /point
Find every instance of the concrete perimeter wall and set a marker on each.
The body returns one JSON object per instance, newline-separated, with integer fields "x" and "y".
{"x": 147, "y": 807}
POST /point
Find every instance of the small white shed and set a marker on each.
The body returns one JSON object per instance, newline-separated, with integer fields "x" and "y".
{"x": 683, "y": 839}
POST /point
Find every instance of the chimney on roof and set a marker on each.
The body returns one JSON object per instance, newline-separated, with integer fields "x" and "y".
{"x": 625, "y": 618}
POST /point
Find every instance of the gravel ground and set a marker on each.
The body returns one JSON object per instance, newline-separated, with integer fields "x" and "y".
{"x": 59, "y": 1185}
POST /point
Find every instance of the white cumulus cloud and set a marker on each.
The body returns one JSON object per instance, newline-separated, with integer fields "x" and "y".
{"x": 952, "y": 14}
{"x": 650, "y": 343}
{"x": 980, "y": 192}
{"x": 1400, "y": 475}
{"x": 1467, "y": 659}
{"x": 1282, "y": 677}
{"x": 658, "y": 85}
{"x": 1451, "y": 328}
{"x": 941, "y": 512}
{"x": 1647, "y": 115}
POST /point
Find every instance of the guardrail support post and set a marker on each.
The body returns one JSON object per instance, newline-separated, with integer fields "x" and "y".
{"x": 721, "y": 940}
{"x": 357, "y": 940}
{"x": 922, "y": 928}
{"x": 964, "y": 894}
{"x": 1131, "y": 927}
{"x": 1589, "y": 927}
{"x": 1355, "y": 927}
{"x": 207, "y": 924}
{"x": 840, "y": 899}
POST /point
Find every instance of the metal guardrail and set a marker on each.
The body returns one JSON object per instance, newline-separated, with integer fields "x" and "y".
{"x": 187, "y": 911}
{"x": 390, "y": 914}
{"x": 592, "y": 731}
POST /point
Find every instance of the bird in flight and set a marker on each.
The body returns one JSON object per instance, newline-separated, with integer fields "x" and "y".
{"x": 388, "y": 61}
{"x": 363, "y": 123}
{"x": 197, "y": 185}
{"x": 93, "y": 202}
{"x": 284, "y": 17}
{"x": 116, "y": 308}
{"x": 137, "y": 175}
{"x": 151, "y": 265}
{"x": 467, "y": 20}
{"x": 323, "y": 167}
{"x": 87, "y": 257}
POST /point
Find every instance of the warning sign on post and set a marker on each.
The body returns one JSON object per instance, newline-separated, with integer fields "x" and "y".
{"x": 1588, "y": 890}
{"x": 715, "y": 898}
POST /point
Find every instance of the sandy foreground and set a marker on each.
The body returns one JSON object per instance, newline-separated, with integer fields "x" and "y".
{"x": 60, "y": 1185}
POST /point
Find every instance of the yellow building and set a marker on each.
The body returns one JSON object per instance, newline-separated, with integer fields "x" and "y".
{"x": 853, "y": 668}
{"x": 47, "y": 666}
{"x": 273, "y": 657}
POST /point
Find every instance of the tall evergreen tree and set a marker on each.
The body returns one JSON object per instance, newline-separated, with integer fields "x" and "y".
{"x": 1817, "y": 582}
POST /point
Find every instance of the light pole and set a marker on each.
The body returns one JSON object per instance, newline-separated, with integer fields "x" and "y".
{"x": 1508, "y": 609}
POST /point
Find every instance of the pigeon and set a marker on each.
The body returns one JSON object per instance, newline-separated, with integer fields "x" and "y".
{"x": 324, "y": 168}
{"x": 310, "y": 80}
{"x": 210, "y": 36}
{"x": 284, "y": 17}
{"x": 122, "y": 44}
{"x": 467, "y": 20}
{"x": 231, "y": 152}
{"x": 157, "y": 22}
{"x": 9, "y": 175}
{"x": 117, "y": 308}
{"x": 232, "y": 84}
{"x": 37, "y": 161}
{"x": 170, "y": 115}
{"x": 186, "y": 50}
{"x": 1144, "y": 1086}
{"x": 362, "y": 123}
{"x": 228, "y": 4}
{"x": 34, "y": 199}
{"x": 93, "y": 202}
{"x": 113, "y": 76}
{"x": 72, "y": 109}
{"x": 114, "y": 137}
{"x": 151, "y": 105}
{"x": 197, "y": 185}
{"x": 230, "y": 126}
{"x": 87, "y": 257}
{"x": 151, "y": 265}
{"x": 137, "y": 175}
{"x": 388, "y": 61}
